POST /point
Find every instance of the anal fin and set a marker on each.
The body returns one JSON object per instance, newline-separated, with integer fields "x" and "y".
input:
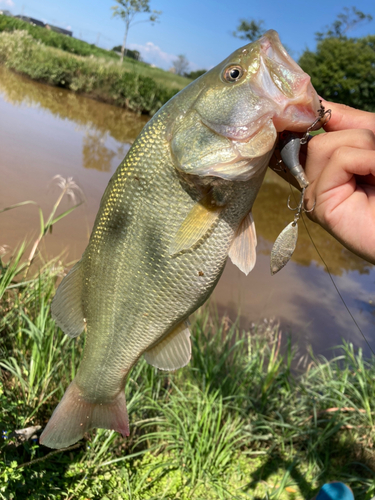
{"x": 66, "y": 306}
{"x": 198, "y": 221}
{"x": 173, "y": 351}
{"x": 243, "y": 249}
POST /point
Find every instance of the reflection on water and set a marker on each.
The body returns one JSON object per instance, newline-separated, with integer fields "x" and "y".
{"x": 99, "y": 121}
{"x": 121, "y": 125}
{"x": 271, "y": 215}
{"x": 45, "y": 131}
{"x": 95, "y": 152}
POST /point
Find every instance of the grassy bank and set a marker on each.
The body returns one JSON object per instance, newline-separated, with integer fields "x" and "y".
{"x": 53, "y": 39}
{"x": 134, "y": 85}
{"x": 235, "y": 423}
{"x": 81, "y": 48}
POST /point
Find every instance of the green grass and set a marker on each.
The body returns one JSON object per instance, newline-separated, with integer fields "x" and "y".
{"x": 133, "y": 85}
{"x": 81, "y": 48}
{"x": 237, "y": 422}
{"x": 53, "y": 39}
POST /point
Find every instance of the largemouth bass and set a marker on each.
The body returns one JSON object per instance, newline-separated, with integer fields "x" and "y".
{"x": 177, "y": 206}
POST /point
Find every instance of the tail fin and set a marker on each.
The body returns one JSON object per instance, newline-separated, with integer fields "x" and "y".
{"x": 74, "y": 416}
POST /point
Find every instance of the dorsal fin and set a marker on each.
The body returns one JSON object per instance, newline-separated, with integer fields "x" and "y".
{"x": 198, "y": 221}
{"x": 243, "y": 249}
{"x": 66, "y": 306}
{"x": 173, "y": 351}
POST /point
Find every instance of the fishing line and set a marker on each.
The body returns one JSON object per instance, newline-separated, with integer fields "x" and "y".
{"x": 333, "y": 282}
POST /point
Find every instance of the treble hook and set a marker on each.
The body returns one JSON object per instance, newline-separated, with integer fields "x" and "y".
{"x": 323, "y": 114}
{"x": 300, "y": 208}
{"x": 311, "y": 209}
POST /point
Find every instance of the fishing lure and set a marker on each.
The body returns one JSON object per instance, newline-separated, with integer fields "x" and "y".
{"x": 290, "y": 145}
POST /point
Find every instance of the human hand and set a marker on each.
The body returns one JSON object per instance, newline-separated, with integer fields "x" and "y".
{"x": 340, "y": 166}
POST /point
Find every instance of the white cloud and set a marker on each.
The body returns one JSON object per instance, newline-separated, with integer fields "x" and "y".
{"x": 8, "y": 3}
{"x": 153, "y": 54}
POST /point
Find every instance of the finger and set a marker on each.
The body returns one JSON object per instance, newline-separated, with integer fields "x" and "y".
{"x": 344, "y": 117}
{"x": 321, "y": 148}
{"x": 343, "y": 166}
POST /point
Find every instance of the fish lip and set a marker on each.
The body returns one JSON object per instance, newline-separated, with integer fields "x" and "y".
{"x": 270, "y": 45}
{"x": 298, "y": 112}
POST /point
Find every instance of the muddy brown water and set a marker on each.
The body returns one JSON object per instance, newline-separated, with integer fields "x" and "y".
{"x": 46, "y": 131}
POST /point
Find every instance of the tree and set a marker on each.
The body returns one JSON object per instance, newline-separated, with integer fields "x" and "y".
{"x": 127, "y": 10}
{"x": 180, "y": 65}
{"x": 346, "y": 21}
{"x": 249, "y": 30}
{"x": 343, "y": 70}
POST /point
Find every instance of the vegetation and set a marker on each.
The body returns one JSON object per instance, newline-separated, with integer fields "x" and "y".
{"x": 342, "y": 69}
{"x": 127, "y": 10}
{"x": 195, "y": 74}
{"x": 237, "y": 422}
{"x": 102, "y": 79}
{"x": 53, "y": 39}
{"x": 181, "y": 65}
{"x": 249, "y": 30}
{"x": 134, "y": 85}
{"x": 346, "y": 21}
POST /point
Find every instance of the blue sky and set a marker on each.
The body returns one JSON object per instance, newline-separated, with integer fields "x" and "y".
{"x": 199, "y": 29}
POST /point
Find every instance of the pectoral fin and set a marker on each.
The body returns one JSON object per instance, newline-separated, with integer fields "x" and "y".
{"x": 199, "y": 220}
{"x": 66, "y": 306}
{"x": 243, "y": 250}
{"x": 173, "y": 351}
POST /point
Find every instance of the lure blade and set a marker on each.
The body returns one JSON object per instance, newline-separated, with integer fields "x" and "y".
{"x": 284, "y": 247}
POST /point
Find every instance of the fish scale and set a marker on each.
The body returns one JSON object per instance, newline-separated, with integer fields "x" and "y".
{"x": 162, "y": 299}
{"x": 176, "y": 207}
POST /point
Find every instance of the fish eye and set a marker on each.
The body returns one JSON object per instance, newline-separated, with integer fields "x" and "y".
{"x": 233, "y": 73}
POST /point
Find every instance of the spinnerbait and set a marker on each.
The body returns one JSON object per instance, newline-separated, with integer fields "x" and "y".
{"x": 290, "y": 145}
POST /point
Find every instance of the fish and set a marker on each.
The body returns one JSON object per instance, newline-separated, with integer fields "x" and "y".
{"x": 177, "y": 206}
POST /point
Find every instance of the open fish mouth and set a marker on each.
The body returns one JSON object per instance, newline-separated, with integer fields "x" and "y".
{"x": 281, "y": 79}
{"x": 275, "y": 88}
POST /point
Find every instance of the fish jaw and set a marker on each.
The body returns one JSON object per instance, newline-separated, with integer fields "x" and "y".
{"x": 298, "y": 104}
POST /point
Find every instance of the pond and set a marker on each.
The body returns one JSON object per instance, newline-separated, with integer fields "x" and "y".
{"x": 46, "y": 131}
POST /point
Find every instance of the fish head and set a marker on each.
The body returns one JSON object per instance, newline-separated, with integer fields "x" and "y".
{"x": 258, "y": 81}
{"x": 229, "y": 129}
